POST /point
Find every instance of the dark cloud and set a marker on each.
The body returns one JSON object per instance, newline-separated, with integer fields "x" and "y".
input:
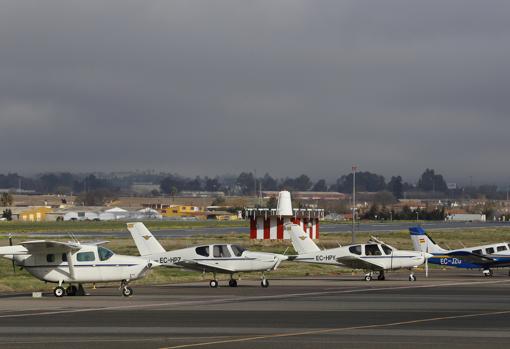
{"x": 210, "y": 87}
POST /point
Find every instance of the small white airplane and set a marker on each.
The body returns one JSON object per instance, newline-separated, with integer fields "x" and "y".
{"x": 74, "y": 263}
{"x": 214, "y": 258}
{"x": 370, "y": 257}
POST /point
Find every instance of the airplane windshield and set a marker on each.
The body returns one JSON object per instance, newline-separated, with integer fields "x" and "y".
{"x": 238, "y": 250}
{"x": 386, "y": 249}
{"x": 104, "y": 253}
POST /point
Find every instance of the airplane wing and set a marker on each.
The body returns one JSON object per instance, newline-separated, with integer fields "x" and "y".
{"x": 204, "y": 266}
{"x": 358, "y": 263}
{"x": 43, "y": 245}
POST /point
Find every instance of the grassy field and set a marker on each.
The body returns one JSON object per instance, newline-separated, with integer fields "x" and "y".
{"x": 22, "y": 281}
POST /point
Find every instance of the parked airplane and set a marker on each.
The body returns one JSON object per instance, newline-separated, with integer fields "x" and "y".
{"x": 369, "y": 257}
{"x": 74, "y": 263}
{"x": 482, "y": 257}
{"x": 214, "y": 258}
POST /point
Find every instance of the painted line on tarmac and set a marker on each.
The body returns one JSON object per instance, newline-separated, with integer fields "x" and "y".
{"x": 245, "y": 299}
{"x": 338, "y": 329}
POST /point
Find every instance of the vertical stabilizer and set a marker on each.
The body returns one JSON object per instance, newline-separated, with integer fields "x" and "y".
{"x": 144, "y": 240}
{"x": 422, "y": 242}
{"x": 301, "y": 241}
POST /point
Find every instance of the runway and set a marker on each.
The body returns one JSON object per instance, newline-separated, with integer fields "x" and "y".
{"x": 458, "y": 309}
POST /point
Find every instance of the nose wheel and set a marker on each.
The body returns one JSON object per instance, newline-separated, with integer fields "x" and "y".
{"x": 412, "y": 277}
{"x": 264, "y": 283}
{"x": 59, "y": 291}
{"x": 488, "y": 273}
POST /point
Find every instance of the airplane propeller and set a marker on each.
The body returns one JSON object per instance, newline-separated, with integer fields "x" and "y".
{"x": 10, "y": 244}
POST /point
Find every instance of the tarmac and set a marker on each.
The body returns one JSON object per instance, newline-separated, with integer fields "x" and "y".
{"x": 458, "y": 309}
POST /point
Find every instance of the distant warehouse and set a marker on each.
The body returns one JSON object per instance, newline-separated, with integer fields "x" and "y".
{"x": 466, "y": 217}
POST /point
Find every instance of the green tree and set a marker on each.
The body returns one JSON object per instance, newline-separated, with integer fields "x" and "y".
{"x": 396, "y": 187}
{"x": 6, "y": 199}
{"x": 7, "y": 214}
{"x": 430, "y": 181}
{"x": 320, "y": 186}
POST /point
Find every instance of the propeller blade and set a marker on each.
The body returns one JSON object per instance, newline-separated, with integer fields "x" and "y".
{"x": 427, "y": 263}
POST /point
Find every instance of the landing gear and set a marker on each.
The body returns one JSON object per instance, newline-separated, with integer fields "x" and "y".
{"x": 264, "y": 283}
{"x": 214, "y": 283}
{"x": 488, "y": 272}
{"x": 381, "y": 276}
{"x": 59, "y": 291}
{"x": 368, "y": 277}
{"x": 412, "y": 277}
{"x": 125, "y": 289}
{"x": 71, "y": 290}
{"x": 232, "y": 283}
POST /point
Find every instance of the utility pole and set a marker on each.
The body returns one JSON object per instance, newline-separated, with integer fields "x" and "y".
{"x": 354, "y": 168}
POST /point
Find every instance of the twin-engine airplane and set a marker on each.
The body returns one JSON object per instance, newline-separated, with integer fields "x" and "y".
{"x": 74, "y": 264}
{"x": 482, "y": 257}
{"x": 215, "y": 258}
{"x": 370, "y": 257}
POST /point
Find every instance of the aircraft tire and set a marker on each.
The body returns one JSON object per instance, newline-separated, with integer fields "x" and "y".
{"x": 264, "y": 283}
{"x": 381, "y": 277}
{"x": 213, "y": 283}
{"x": 412, "y": 278}
{"x": 127, "y": 291}
{"x": 232, "y": 283}
{"x": 71, "y": 290}
{"x": 59, "y": 291}
{"x": 368, "y": 278}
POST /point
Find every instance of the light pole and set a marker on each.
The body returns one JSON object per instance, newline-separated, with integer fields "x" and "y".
{"x": 354, "y": 168}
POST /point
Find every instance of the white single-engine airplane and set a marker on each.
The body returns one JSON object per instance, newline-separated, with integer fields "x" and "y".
{"x": 369, "y": 257}
{"x": 214, "y": 258}
{"x": 74, "y": 263}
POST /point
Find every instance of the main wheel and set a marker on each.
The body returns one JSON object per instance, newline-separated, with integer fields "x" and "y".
{"x": 368, "y": 278}
{"x": 58, "y": 291}
{"x": 381, "y": 277}
{"x": 412, "y": 278}
{"x": 264, "y": 283}
{"x": 232, "y": 283}
{"x": 127, "y": 291}
{"x": 71, "y": 290}
{"x": 213, "y": 283}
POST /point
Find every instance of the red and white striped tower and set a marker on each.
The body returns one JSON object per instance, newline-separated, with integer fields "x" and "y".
{"x": 267, "y": 224}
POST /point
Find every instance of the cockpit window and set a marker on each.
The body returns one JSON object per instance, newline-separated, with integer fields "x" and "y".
{"x": 221, "y": 251}
{"x": 372, "y": 250}
{"x": 85, "y": 257}
{"x": 238, "y": 250}
{"x": 202, "y": 251}
{"x": 386, "y": 249}
{"x": 477, "y": 252}
{"x": 104, "y": 253}
{"x": 355, "y": 249}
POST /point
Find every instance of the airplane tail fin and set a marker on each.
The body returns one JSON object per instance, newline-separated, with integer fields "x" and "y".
{"x": 422, "y": 242}
{"x": 301, "y": 241}
{"x": 144, "y": 240}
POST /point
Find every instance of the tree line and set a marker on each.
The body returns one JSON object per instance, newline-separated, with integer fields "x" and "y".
{"x": 105, "y": 186}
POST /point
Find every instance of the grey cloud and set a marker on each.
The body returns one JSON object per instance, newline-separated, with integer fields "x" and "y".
{"x": 200, "y": 87}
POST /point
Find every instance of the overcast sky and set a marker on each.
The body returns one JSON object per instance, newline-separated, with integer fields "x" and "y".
{"x": 285, "y": 87}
